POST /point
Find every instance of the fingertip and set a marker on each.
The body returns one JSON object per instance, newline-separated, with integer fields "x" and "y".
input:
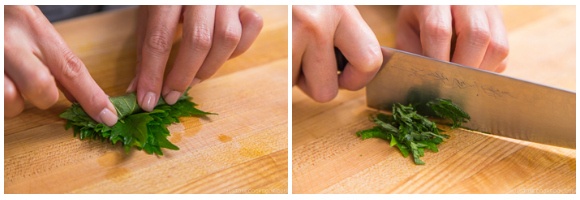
{"x": 108, "y": 116}
{"x": 252, "y": 23}
{"x": 324, "y": 95}
{"x": 148, "y": 87}
{"x": 13, "y": 102}
{"x": 100, "y": 108}
{"x": 502, "y": 67}
{"x": 195, "y": 82}
{"x": 251, "y": 17}
{"x": 172, "y": 97}
{"x": 149, "y": 101}
{"x": 319, "y": 94}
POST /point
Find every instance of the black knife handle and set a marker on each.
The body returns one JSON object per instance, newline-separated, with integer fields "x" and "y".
{"x": 340, "y": 59}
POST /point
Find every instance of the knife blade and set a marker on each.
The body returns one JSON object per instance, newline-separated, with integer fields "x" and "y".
{"x": 498, "y": 104}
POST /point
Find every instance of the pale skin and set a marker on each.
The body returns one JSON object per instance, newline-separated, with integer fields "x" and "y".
{"x": 481, "y": 42}
{"x": 38, "y": 62}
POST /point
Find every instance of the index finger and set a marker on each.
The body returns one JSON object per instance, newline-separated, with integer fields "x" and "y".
{"x": 357, "y": 42}
{"x": 72, "y": 74}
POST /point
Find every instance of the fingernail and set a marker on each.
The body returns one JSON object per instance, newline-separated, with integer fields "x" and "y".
{"x": 149, "y": 101}
{"x": 131, "y": 87}
{"x": 172, "y": 97}
{"x": 195, "y": 81}
{"x": 108, "y": 117}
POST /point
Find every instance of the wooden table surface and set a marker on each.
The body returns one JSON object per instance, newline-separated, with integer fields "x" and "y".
{"x": 327, "y": 156}
{"x": 244, "y": 149}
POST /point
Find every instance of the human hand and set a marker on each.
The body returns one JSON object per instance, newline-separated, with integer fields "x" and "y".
{"x": 316, "y": 30}
{"x": 481, "y": 35}
{"x": 37, "y": 60}
{"x": 211, "y": 35}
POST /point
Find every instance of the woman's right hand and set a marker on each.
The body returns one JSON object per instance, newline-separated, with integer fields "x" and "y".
{"x": 316, "y": 31}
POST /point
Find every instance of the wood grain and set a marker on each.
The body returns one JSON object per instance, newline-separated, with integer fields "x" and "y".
{"x": 327, "y": 157}
{"x": 244, "y": 149}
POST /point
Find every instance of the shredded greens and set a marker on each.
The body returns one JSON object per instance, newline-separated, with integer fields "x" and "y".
{"x": 411, "y": 132}
{"x": 143, "y": 130}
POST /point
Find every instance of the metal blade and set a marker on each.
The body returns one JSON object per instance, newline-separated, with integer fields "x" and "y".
{"x": 497, "y": 104}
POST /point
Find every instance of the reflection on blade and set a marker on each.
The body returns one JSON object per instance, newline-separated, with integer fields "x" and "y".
{"x": 497, "y": 104}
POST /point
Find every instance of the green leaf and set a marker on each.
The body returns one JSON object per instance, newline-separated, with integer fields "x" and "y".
{"x": 416, "y": 154}
{"x": 135, "y": 129}
{"x": 388, "y": 127}
{"x": 429, "y": 145}
{"x": 374, "y": 132}
{"x": 446, "y": 109}
{"x": 403, "y": 149}
{"x": 393, "y": 141}
{"x": 411, "y": 132}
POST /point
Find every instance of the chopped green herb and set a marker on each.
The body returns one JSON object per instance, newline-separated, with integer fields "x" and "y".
{"x": 143, "y": 130}
{"x": 445, "y": 109}
{"x": 411, "y": 132}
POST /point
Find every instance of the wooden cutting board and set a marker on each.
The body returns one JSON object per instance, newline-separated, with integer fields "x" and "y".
{"x": 244, "y": 149}
{"x": 327, "y": 157}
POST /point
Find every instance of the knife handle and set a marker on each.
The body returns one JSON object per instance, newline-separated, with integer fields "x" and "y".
{"x": 340, "y": 59}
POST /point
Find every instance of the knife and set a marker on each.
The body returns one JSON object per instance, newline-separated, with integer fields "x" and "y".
{"x": 498, "y": 104}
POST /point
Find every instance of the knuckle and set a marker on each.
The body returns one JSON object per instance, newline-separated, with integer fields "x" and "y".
{"x": 42, "y": 90}
{"x": 309, "y": 27}
{"x": 95, "y": 100}
{"x": 72, "y": 67}
{"x": 437, "y": 29}
{"x": 150, "y": 81}
{"x": 368, "y": 63}
{"x": 306, "y": 22}
{"x": 479, "y": 36}
{"x": 231, "y": 35}
{"x": 199, "y": 38}
{"x": 19, "y": 11}
{"x": 38, "y": 82}
{"x": 159, "y": 41}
